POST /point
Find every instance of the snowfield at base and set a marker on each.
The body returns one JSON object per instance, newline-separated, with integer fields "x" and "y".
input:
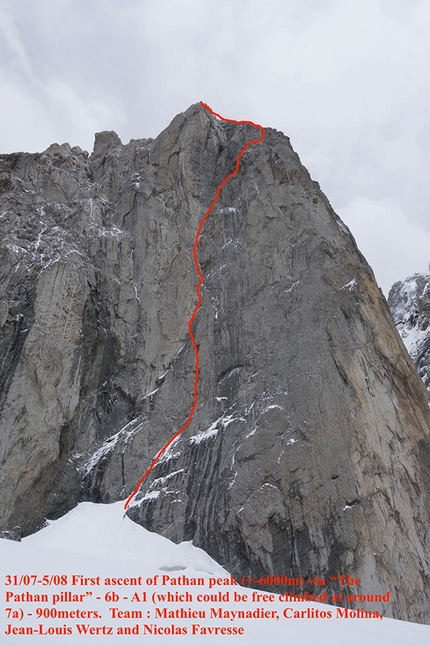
{"x": 97, "y": 540}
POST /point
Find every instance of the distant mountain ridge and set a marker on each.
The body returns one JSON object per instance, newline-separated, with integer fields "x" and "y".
{"x": 309, "y": 453}
{"x": 409, "y": 301}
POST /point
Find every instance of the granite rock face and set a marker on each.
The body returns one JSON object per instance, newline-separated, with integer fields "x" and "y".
{"x": 409, "y": 302}
{"x": 309, "y": 452}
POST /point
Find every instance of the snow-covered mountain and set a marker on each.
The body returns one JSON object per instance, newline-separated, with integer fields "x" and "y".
{"x": 409, "y": 301}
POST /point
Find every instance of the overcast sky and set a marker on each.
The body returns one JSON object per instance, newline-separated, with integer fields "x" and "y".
{"x": 347, "y": 80}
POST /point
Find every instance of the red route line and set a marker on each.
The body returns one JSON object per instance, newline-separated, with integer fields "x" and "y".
{"x": 199, "y": 295}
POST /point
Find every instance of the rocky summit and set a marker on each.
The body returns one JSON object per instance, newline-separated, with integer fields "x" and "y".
{"x": 309, "y": 451}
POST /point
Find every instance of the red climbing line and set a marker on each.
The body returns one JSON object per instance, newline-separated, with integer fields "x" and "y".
{"x": 199, "y": 295}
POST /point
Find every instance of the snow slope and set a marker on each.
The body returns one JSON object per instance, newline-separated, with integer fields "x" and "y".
{"x": 98, "y": 542}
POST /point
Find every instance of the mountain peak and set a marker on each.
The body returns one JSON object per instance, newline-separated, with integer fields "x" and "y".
{"x": 308, "y": 451}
